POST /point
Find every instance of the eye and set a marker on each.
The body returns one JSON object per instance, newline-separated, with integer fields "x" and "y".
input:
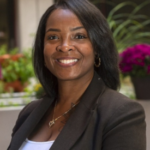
{"x": 79, "y": 36}
{"x": 53, "y": 37}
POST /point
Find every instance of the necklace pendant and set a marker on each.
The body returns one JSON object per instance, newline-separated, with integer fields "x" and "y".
{"x": 51, "y": 123}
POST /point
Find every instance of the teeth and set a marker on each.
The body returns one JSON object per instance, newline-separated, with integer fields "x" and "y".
{"x": 68, "y": 61}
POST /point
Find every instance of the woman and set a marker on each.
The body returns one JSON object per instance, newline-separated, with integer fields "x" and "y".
{"x": 76, "y": 62}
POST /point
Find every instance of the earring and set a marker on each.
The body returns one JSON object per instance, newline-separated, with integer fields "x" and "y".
{"x": 97, "y": 61}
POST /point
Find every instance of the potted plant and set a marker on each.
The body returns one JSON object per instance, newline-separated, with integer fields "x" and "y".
{"x": 135, "y": 62}
{"x": 16, "y": 69}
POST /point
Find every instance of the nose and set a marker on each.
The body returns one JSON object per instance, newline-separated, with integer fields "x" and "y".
{"x": 65, "y": 46}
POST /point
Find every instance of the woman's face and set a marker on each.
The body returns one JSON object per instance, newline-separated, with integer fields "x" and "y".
{"x": 68, "y": 51}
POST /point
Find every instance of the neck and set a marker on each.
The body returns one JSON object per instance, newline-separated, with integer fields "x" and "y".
{"x": 71, "y": 91}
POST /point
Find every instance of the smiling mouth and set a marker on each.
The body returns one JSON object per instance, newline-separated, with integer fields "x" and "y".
{"x": 67, "y": 61}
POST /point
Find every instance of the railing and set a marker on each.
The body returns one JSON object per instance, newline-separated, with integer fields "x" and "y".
{"x": 16, "y": 99}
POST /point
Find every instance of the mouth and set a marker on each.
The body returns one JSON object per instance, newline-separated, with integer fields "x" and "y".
{"x": 67, "y": 62}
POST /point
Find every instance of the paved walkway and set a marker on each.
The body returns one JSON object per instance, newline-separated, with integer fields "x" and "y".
{"x": 7, "y": 121}
{"x": 8, "y": 117}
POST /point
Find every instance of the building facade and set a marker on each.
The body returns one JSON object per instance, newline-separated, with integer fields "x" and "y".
{"x": 19, "y": 20}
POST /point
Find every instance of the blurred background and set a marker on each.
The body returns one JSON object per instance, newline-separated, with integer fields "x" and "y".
{"x": 129, "y": 22}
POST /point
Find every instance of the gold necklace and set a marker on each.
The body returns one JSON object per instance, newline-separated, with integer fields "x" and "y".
{"x": 52, "y": 122}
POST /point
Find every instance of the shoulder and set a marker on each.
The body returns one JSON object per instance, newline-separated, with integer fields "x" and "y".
{"x": 25, "y": 112}
{"x": 123, "y": 120}
{"x": 118, "y": 110}
{"x": 114, "y": 101}
{"x": 29, "y": 108}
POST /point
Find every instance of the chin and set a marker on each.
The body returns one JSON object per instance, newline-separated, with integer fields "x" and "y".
{"x": 68, "y": 77}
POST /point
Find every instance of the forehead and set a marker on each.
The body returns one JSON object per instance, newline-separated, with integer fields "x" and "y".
{"x": 61, "y": 17}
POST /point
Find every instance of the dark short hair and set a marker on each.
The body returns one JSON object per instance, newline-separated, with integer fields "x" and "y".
{"x": 100, "y": 36}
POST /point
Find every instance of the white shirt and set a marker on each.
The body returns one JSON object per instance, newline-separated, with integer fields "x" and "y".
{"x": 31, "y": 145}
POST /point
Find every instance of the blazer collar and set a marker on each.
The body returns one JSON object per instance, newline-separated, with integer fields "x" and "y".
{"x": 76, "y": 123}
{"x": 81, "y": 116}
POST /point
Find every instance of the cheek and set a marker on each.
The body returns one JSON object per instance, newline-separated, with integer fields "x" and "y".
{"x": 47, "y": 51}
{"x": 88, "y": 54}
{"x": 90, "y": 59}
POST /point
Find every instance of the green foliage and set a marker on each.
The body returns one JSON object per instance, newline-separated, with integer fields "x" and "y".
{"x": 17, "y": 70}
{"x": 39, "y": 91}
{"x": 129, "y": 28}
{"x": 20, "y": 69}
{"x": 3, "y": 50}
{"x": 1, "y": 87}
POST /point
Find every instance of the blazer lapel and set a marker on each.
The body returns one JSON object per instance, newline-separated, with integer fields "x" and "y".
{"x": 30, "y": 123}
{"x": 81, "y": 116}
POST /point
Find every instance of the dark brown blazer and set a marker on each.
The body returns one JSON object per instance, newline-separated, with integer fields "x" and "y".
{"x": 103, "y": 120}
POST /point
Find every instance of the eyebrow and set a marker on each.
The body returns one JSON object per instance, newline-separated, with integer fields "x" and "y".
{"x": 52, "y": 29}
{"x": 77, "y": 28}
{"x": 58, "y": 30}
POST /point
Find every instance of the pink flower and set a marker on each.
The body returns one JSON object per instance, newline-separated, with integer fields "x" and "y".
{"x": 135, "y": 61}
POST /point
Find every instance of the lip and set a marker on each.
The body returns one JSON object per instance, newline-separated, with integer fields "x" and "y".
{"x": 66, "y": 58}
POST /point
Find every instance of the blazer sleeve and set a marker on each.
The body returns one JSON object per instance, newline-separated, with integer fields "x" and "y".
{"x": 126, "y": 129}
{"x": 21, "y": 118}
{"x": 23, "y": 115}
